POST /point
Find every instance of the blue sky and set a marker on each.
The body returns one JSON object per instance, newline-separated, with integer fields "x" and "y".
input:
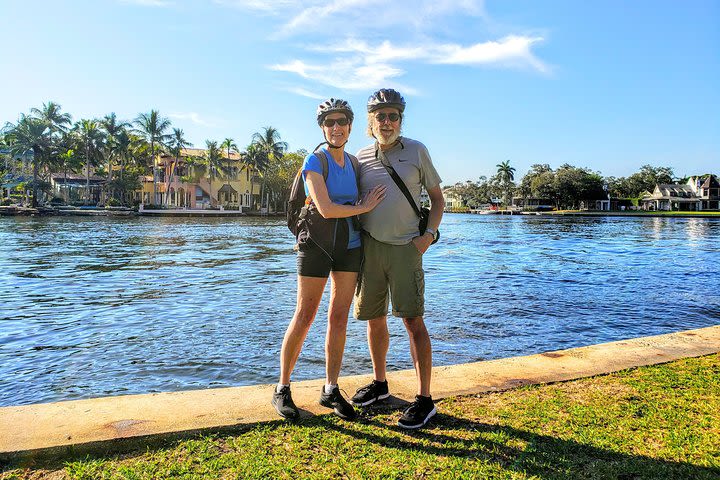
{"x": 608, "y": 85}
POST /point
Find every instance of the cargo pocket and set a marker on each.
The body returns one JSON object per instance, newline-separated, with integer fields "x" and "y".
{"x": 420, "y": 286}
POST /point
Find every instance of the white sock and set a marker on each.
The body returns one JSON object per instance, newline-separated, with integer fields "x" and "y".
{"x": 329, "y": 387}
{"x": 280, "y": 386}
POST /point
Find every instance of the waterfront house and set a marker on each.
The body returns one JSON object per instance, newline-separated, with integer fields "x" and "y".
{"x": 72, "y": 187}
{"x": 189, "y": 182}
{"x": 707, "y": 188}
{"x": 533, "y": 203}
{"x": 699, "y": 193}
{"x": 452, "y": 199}
{"x": 672, "y": 196}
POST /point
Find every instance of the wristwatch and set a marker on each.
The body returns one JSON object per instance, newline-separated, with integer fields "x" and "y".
{"x": 432, "y": 232}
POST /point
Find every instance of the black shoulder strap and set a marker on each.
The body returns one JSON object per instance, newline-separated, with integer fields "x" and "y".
{"x": 356, "y": 169}
{"x": 401, "y": 185}
{"x": 323, "y": 162}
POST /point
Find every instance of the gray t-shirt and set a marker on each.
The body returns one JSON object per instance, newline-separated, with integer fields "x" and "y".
{"x": 394, "y": 221}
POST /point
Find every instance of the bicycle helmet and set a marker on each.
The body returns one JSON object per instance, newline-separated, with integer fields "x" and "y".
{"x": 386, "y": 97}
{"x": 332, "y": 105}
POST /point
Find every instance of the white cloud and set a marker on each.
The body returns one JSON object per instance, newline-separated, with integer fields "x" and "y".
{"x": 512, "y": 50}
{"x": 315, "y": 16}
{"x": 265, "y": 6}
{"x": 305, "y": 93}
{"x": 360, "y": 47}
{"x": 343, "y": 74}
{"x": 148, "y": 3}
{"x": 193, "y": 117}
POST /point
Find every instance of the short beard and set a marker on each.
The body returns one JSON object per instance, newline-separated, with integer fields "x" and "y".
{"x": 382, "y": 141}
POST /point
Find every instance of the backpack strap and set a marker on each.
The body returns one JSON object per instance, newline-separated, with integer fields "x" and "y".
{"x": 353, "y": 160}
{"x": 356, "y": 168}
{"x": 323, "y": 162}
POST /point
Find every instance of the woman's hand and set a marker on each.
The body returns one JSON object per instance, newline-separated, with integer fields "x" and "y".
{"x": 372, "y": 198}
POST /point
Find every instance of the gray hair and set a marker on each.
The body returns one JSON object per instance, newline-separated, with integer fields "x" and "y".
{"x": 371, "y": 117}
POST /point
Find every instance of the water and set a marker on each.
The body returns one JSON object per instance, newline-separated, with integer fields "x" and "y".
{"x": 106, "y": 306}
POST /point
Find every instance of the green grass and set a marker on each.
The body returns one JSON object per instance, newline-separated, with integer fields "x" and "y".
{"x": 659, "y": 422}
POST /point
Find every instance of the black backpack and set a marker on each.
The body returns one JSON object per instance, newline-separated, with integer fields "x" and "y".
{"x": 299, "y": 201}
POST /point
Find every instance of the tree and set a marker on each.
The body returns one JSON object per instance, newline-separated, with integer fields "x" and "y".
{"x": 506, "y": 175}
{"x": 176, "y": 145}
{"x": 90, "y": 138}
{"x": 30, "y": 135}
{"x": 280, "y": 176}
{"x": 269, "y": 143}
{"x": 215, "y": 163}
{"x": 525, "y": 188}
{"x": 230, "y": 147}
{"x": 50, "y": 114}
{"x": 255, "y": 160}
{"x": 152, "y": 127}
{"x": 112, "y": 128}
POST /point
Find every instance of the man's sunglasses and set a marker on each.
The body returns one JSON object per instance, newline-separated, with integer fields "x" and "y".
{"x": 330, "y": 122}
{"x": 393, "y": 117}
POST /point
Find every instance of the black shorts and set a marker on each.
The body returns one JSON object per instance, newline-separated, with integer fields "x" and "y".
{"x": 313, "y": 262}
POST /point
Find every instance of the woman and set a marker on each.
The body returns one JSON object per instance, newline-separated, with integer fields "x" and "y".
{"x": 333, "y": 202}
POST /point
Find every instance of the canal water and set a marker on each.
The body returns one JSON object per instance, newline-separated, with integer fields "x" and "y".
{"x": 106, "y": 306}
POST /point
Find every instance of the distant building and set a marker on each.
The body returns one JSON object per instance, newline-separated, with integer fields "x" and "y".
{"x": 187, "y": 184}
{"x": 72, "y": 187}
{"x": 533, "y": 203}
{"x": 699, "y": 193}
{"x": 672, "y": 196}
{"x": 706, "y": 188}
{"x": 452, "y": 199}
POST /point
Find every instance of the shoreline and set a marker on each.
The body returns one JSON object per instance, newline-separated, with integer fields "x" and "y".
{"x": 111, "y": 424}
{"x": 13, "y": 210}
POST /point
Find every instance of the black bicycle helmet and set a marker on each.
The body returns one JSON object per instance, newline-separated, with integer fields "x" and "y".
{"x": 386, "y": 97}
{"x": 332, "y": 105}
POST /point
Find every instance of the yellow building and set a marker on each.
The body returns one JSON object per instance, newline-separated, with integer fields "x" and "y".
{"x": 190, "y": 184}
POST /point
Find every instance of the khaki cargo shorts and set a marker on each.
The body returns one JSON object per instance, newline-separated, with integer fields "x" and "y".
{"x": 394, "y": 268}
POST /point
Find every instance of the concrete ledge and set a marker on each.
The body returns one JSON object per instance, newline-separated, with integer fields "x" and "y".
{"x": 103, "y": 425}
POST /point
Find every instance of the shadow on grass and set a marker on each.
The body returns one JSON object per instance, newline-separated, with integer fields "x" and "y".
{"x": 540, "y": 455}
{"x": 515, "y": 450}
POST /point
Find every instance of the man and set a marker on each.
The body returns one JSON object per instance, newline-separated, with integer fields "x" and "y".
{"x": 393, "y": 249}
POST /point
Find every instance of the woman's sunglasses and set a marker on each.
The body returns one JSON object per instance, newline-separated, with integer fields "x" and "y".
{"x": 393, "y": 117}
{"x": 331, "y": 122}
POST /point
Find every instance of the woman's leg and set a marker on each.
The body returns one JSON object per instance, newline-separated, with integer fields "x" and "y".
{"x": 341, "y": 296}
{"x": 309, "y": 293}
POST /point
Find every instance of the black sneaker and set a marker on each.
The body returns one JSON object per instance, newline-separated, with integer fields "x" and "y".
{"x": 336, "y": 401}
{"x": 371, "y": 393}
{"x": 283, "y": 403}
{"x": 418, "y": 413}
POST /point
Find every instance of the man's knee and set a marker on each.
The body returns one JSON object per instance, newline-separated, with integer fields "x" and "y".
{"x": 378, "y": 324}
{"x": 415, "y": 325}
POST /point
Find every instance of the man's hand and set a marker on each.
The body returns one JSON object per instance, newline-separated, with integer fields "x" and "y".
{"x": 423, "y": 242}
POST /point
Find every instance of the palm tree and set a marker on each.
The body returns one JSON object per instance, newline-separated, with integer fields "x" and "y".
{"x": 272, "y": 148}
{"x": 112, "y": 128}
{"x": 152, "y": 127}
{"x": 176, "y": 145}
{"x": 30, "y": 134}
{"x": 229, "y": 146}
{"x": 215, "y": 164}
{"x": 50, "y": 114}
{"x": 506, "y": 174}
{"x": 90, "y": 137}
{"x": 254, "y": 160}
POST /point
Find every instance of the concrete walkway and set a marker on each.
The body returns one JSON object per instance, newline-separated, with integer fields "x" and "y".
{"x": 108, "y": 424}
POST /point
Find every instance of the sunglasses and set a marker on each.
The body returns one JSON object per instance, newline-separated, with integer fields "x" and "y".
{"x": 331, "y": 122}
{"x": 393, "y": 117}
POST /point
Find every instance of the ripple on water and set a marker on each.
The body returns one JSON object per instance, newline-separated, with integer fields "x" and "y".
{"x": 118, "y": 306}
